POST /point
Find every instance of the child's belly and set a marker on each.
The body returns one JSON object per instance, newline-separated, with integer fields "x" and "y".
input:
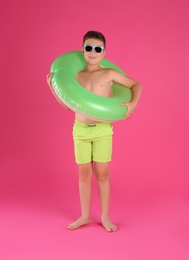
{"x": 85, "y": 120}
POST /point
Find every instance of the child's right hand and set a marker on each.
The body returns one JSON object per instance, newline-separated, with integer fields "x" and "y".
{"x": 49, "y": 79}
{"x": 49, "y": 82}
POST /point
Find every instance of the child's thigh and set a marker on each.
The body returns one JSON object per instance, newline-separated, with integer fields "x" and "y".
{"x": 83, "y": 151}
{"x": 102, "y": 149}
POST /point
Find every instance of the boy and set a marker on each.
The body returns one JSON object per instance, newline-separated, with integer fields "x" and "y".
{"x": 93, "y": 139}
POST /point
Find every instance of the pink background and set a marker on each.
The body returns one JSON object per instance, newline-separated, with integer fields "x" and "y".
{"x": 149, "y": 173}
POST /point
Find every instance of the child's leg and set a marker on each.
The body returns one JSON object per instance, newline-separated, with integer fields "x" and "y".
{"x": 101, "y": 171}
{"x": 85, "y": 190}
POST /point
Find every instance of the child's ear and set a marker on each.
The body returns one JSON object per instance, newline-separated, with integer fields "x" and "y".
{"x": 82, "y": 51}
{"x": 104, "y": 53}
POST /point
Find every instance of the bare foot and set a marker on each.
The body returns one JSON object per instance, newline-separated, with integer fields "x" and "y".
{"x": 78, "y": 223}
{"x": 108, "y": 225}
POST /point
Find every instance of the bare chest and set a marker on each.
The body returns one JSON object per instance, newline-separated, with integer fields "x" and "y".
{"x": 97, "y": 83}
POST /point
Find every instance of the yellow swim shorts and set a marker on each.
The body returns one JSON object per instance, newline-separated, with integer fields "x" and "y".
{"x": 92, "y": 142}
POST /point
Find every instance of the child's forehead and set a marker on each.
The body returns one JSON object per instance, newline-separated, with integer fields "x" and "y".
{"x": 93, "y": 41}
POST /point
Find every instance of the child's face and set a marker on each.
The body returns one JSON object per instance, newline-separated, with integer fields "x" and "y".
{"x": 95, "y": 55}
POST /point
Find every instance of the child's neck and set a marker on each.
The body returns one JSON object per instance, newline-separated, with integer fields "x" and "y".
{"x": 91, "y": 68}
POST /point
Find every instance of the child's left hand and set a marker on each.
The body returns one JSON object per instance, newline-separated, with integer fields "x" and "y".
{"x": 130, "y": 109}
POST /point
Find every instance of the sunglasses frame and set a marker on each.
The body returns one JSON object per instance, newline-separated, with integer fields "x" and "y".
{"x": 93, "y": 48}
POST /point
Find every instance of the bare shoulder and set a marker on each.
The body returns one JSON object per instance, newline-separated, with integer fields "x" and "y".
{"x": 80, "y": 73}
{"x": 116, "y": 76}
{"x": 113, "y": 74}
{"x": 108, "y": 71}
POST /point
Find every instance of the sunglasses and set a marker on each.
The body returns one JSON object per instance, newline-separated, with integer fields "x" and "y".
{"x": 89, "y": 48}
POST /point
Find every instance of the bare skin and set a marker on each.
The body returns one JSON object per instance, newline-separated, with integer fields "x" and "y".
{"x": 79, "y": 223}
{"x": 98, "y": 81}
{"x": 101, "y": 171}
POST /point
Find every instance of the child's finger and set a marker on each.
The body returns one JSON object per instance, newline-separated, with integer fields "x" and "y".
{"x": 124, "y": 103}
{"x": 50, "y": 75}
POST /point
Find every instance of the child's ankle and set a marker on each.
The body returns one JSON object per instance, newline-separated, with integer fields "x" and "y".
{"x": 105, "y": 216}
{"x": 85, "y": 216}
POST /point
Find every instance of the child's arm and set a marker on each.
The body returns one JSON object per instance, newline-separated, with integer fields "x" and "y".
{"x": 135, "y": 87}
{"x": 49, "y": 82}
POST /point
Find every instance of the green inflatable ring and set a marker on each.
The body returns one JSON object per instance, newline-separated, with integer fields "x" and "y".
{"x": 80, "y": 100}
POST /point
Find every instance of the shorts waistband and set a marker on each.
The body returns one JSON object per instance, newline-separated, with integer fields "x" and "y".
{"x": 91, "y": 125}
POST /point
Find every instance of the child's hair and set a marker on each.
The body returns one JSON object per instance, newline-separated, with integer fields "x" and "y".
{"x": 94, "y": 35}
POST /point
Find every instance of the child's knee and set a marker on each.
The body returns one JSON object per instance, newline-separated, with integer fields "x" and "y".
{"x": 85, "y": 171}
{"x": 101, "y": 172}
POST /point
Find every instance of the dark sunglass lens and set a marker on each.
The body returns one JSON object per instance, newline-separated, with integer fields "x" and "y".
{"x": 88, "y": 48}
{"x": 98, "y": 49}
